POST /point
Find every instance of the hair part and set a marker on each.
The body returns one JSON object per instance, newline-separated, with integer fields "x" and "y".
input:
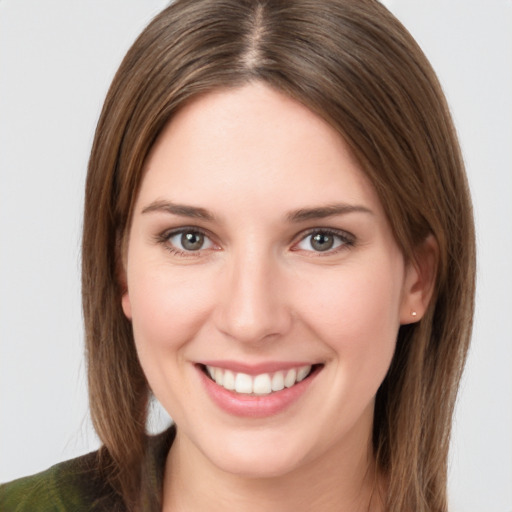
{"x": 356, "y": 66}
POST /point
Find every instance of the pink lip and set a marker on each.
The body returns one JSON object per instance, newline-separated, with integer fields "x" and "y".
{"x": 250, "y": 406}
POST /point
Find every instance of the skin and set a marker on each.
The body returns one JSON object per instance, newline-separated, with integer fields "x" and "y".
{"x": 258, "y": 292}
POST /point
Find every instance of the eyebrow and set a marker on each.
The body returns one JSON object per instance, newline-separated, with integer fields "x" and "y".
{"x": 323, "y": 212}
{"x": 295, "y": 216}
{"x": 179, "y": 209}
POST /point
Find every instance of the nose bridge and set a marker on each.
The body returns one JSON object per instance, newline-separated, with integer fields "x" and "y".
{"x": 253, "y": 307}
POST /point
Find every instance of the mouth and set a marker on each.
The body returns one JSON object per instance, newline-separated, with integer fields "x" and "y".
{"x": 262, "y": 384}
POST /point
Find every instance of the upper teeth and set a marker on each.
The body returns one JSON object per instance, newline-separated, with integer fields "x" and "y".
{"x": 262, "y": 384}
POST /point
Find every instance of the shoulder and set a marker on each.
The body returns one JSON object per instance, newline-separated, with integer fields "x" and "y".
{"x": 74, "y": 485}
{"x": 79, "y": 485}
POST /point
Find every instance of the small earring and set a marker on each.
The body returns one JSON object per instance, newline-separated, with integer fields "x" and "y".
{"x": 413, "y": 313}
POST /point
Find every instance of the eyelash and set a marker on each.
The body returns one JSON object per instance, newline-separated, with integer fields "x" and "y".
{"x": 346, "y": 240}
{"x": 165, "y": 237}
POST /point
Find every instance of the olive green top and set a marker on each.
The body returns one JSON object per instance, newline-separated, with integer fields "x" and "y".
{"x": 77, "y": 486}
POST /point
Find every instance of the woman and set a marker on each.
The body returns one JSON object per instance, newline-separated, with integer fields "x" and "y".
{"x": 278, "y": 244}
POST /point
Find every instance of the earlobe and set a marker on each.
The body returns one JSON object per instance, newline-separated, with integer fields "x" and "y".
{"x": 420, "y": 281}
{"x": 122, "y": 279}
{"x": 126, "y": 305}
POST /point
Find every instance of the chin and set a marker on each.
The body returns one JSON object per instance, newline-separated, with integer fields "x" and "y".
{"x": 258, "y": 456}
{"x": 258, "y": 465}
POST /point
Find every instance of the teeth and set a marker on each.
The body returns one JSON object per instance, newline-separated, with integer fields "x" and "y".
{"x": 290, "y": 378}
{"x": 302, "y": 373}
{"x": 218, "y": 375}
{"x": 262, "y": 384}
{"x": 243, "y": 383}
{"x": 278, "y": 381}
{"x": 228, "y": 381}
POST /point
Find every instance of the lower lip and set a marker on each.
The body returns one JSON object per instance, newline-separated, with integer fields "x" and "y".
{"x": 251, "y": 406}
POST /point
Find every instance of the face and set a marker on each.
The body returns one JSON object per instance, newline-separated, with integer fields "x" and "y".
{"x": 264, "y": 285}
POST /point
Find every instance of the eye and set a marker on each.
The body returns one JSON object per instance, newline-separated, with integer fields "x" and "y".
{"x": 322, "y": 240}
{"x": 187, "y": 240}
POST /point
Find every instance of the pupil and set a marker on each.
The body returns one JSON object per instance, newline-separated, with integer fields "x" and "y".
{"x": 192, "y": 241}
{"x": 322, "y": 242}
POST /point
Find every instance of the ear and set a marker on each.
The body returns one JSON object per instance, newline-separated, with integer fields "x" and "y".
{"x": 122, "y": 278}
{"x": 420, "y": 281}
{"x": 126, "y": 304}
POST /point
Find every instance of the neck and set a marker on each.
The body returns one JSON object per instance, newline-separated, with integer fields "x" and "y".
{"x": 341, "y": 481}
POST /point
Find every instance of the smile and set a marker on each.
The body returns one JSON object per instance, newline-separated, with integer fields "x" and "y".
{"x": 256, "y": 392}
{"x": 259, "y": 385}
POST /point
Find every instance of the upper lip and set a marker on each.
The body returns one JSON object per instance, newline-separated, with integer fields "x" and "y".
{"x": 255, "y": 369}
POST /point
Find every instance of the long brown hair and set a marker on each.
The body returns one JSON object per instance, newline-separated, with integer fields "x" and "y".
{"x": 356, "y": 66}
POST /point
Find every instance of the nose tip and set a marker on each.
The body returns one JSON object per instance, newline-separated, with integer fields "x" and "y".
{"x": 252, "y": 307}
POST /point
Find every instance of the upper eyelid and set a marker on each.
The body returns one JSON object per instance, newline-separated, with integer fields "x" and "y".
{"x": 168, "y": 233}
{"x": 348, "y": 240}
{"x": 331, "y": 231}
{"x": 163, "y": 237}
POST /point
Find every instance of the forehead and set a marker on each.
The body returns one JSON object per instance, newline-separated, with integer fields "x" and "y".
{"x": 250, "y": 146}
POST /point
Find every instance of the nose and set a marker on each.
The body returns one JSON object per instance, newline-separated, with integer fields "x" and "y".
{"x": 252, "y": 305}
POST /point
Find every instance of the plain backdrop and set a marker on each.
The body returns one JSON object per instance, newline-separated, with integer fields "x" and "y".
{"x": 57, "y": 58}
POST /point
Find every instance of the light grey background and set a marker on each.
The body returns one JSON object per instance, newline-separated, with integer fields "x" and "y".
{"x": 57, "y": 58}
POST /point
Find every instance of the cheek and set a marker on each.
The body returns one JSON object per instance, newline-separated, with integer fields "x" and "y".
{"x": 356, "y": 313}
{"x": 168, "y": 306}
